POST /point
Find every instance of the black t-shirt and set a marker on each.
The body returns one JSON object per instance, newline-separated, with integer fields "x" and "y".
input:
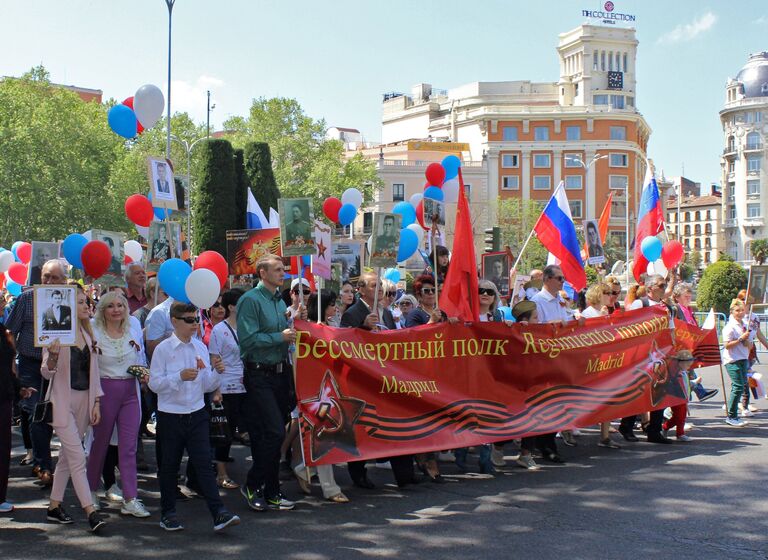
{"x": 79, "y": 368}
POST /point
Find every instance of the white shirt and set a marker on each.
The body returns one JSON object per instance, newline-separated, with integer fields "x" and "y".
{"x": 550, "y": 307}
{"x": 591, "y": 312}
{"x": 638, "y": 303}
{"x": 530, "y": 292}
{"x": 174, "y": 395}
{"x": 733, "y": 330}
{"x": 158, "y": 324}
{"x": 118, "y": 354}
{"x": 223, "y": 344}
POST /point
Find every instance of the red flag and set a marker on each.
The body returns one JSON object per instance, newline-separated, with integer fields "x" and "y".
{"x": 459, "y": 297}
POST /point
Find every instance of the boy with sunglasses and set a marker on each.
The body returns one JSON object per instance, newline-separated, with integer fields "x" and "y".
{"x": 180, "y": 375}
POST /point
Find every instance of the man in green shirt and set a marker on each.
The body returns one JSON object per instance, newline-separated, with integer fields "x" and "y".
{"x": 265, "y": 336}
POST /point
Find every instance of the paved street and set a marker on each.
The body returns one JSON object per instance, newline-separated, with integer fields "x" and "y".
{"x": 703, "y": 499}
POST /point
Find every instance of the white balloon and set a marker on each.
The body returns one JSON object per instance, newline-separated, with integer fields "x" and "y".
{"x": 148, "y": 104}
{"x": 6, "y": 260}
{"x": 88, "y": 235}
{"x": 202, "y": 287}
{"x": 451, "y": 190}
{"x": 133, "y": 249}
{"x": 416, "y": 198}
{"x": 352, "y": 196}
{"x": 660, "y": 267}
{"x": 418, "y": 230}
{"x": 650, "y": 269}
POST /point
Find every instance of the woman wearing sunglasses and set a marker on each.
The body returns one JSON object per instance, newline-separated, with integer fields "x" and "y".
{"x": 613, "y": 302}
{"x": 212, "y": 317}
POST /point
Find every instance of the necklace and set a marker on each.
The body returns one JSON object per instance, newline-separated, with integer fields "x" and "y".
{"x": 117, "y": 346}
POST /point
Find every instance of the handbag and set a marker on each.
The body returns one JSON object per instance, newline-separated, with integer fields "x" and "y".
{"x": 43, "y": 412}
{"x": 219, "y": 433}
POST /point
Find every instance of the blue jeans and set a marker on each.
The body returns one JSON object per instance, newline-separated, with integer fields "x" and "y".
{"x": 29, "y": 375}
{"x": 737, "y": 371}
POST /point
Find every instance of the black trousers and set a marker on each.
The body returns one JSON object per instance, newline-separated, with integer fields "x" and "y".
{"x": 6, "y": 412}
{"x": 234, "y": 409}
{"x": 268, "y": 406}
{"x": 402, "y": 469}
{"x": 545, "y": 443}
{"x": 654, "y": 425}
{"x": 191, "y": 432}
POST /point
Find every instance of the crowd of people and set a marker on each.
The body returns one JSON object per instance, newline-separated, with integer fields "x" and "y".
{"x": 144, "y": 366}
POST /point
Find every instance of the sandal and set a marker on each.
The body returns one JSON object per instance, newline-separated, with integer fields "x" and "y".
{"x": 303, "y": 483}
{"x": 227, "y": 483}
{"x": 339, "y": 498}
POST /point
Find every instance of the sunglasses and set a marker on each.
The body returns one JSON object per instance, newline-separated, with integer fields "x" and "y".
{"x": 391, "y": 294}
{"x": 189, "y": 320}
{"x": 486, "y": 292}
{"x": 304, "y": 292}
{"x": 558, "y": 278}
{"x": 616, "y": 293}
{"x": 404, "y": 303}
{"x": 608, "y": 293}
{"x": 215, "y": 305}
{"x": 427, "y": 290}
{"x": 661, "y": 286}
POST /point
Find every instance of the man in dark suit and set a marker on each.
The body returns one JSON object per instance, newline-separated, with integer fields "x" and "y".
{"x": 362, "y": 315}
{"x": 115, "y": 267}
{"x": 57, "y": 317}
{"x": 163, "y": 185}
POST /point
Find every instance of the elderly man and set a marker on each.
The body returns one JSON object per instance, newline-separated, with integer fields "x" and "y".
{"x": 135, "y": 282}
{"x": 536, "y": 276}
{"x": 21, "y": 323}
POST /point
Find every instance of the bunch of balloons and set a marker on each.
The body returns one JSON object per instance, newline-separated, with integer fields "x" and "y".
{"x": 14, "y": 266}
{"x": 661, "y": 257}
{"x": 137, "y": 113}
{"x": 200, "y": 284}
{"x": 345, "y": 210}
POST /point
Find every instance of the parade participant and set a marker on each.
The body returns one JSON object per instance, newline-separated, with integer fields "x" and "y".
{"x": 119, "y": 347}
{"x": 682, "y": 362}
{"x": 443, "y": 260}
{"x": 405, "y": 304}
{"x": 135, "y": 286}
{"x": 331, "y": 490}
{"x": 181, "y": 375}
{"x": 736, "y": 358}
{"x": 615, "y": 285}
{"x": 149, "y": 297}
{"x": 753, "y": 324}
{"x": 21, "y": 324}
{"x": 536, "y": 277}
{"x": 526, "y": 312}
{"x": 265, "y": 338}
{"x": 224, "y": 345}
{"x": 346, "y": 296}
{"x": 300, "y": 292}
{"x": 212, "y": 317}
{"x": 74, "y": 393}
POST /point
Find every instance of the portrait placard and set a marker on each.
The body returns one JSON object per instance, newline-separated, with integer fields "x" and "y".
{"x": 595, "y": 253}
{"x": 434, "y": 213}
{"x": 296, "y": 226}
{"x": 518, "y": 288}
{"x": 758, "y": 285}
{"x": 496, "y": 269}
{"x": 115, "y": 241}
{"x": 161, "y": 183}
{"x": 55, "y": 314}
{"x": 349, "y": 254}
{"x": 42, "y": 252}
{"x": 386, "y": 240}
{"x": 334, "y": 284}
{"x": 246, "y": 246}
{"x": 163, "y": 243}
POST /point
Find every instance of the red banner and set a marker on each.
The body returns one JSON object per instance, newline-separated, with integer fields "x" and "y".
{"x": 366, "y": 395}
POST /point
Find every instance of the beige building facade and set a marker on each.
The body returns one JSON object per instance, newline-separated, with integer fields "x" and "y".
{"x": 698, "y": 225}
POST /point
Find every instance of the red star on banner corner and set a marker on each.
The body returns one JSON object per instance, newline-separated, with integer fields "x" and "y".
{"x": 321, "y": 249}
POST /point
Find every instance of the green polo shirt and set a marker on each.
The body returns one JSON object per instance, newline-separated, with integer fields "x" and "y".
{"x": 261, "y": 321}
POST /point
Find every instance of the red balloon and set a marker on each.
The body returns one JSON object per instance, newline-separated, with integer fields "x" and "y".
{"x": 331, "y": 208}
{"x": 671, "y": 254}
{"x": 139, "y": 210}
{"x": 420, "y": 213}
{"x": 139, "y": 128}
{"x": 18, "y": 273}
{"x": 128, "y": 102}
{"x": 127, "y": 260}
{"x": 435, "y": 174}
{"x": 24, "y": 252}
{"x": 96, "y": 258}
{"x": 214, "y": 262}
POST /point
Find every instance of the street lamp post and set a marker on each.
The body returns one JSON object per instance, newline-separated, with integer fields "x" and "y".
{"x": 586, "y": 167}
{"x": 170, "y": 4}
{"x": 188, "y": 149}
{"x": 208, "y": 113}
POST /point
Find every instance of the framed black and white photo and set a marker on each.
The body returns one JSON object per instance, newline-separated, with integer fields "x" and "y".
{"x": 349, "y": 255}
{"x": 496, "y": 269}
{"x": 42, "y": 252}
{"x": 386, "y": 240}
{"x": 296, "y": 226}
{"x": 758, "y": 285}
{"x": 595, "y": 253}
{"x": 161, "y": 183}
{"x": 163, "y": 243}
{"x": 55, "y": 314}
{"x": 115, "y": 241}
{"x": 434, "y": 213}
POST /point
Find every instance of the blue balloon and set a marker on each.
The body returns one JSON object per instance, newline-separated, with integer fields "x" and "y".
{"x": 160, "y": 213}
{"x": 407, "y": 211}
{"x": 409, "y": 242}
{"x": 172, "y": 276}
{"x": 122, "y": 121}
{"x": 72, "y": 247}
{"x": 451, "y": 165}
{"x": 13, "y": 288}
{"x": 651, "y": 248}
{"x": 506, "y": 313}
{"x": 393, "y": 275}
{"x": 435, "y": 193}
{"x": 347, "y": 214}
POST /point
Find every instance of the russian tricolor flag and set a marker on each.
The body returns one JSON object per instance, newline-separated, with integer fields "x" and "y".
{"x": 649, "y": 221}
{"x": 557, "y": 232}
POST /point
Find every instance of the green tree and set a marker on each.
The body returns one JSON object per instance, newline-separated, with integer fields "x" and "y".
{"x": 719, "y": 284}
{"x": 516, "y": 218}
{"x": 690, "y": 265}
{"x": 214, "y": 209}
{"x": 258, "y": 173}
{"x": 759, "y": 249}
{"x": 241, "y": 189}
{"x": 724, "y": 257}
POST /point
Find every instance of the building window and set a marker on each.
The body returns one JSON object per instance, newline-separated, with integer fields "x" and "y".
{"x": 709, "y": 214}
{"x": 696, "y": 216}
{"x": 731, "y": 212}
{"x": 697, "y": 229}
{"x": 625, "y": 62}
{"x": 509, "y": 160}
{"x": 707, "y": 243}
{"x": 594, "y": 61}
{"x": 753, "y": 141}
{"x": 509, "y": 133}
{"x": 731, "y": 144}
{"x": 687, "y": 216}
{"x": 468, "y": 192}
{"x": 600, "y": 99}
{"x": 618, "y": 207}
{"x": 572, "y": 160}
{"x": 541, "y": 182}
{"x": 398, "y": 192}
{"x": 672, "y": 217}
{"x": 368, "y": 222}
{"x": 753, "y": 163}
{"x": 687, "y": 245}
{"x": 510, "y": 182}
{"x": 610, "y": 61}
{"x": 630, "y": 101}
{"x": 753, "y": 210}
{"x": 618, "y": 160}
{"x": 573, "y": 133}
{"x": 541, "y": 133}
{"x": 753, "y": 187}
{"x": 618, "y": 181}
{"x": 708, "y": 229}
{"x": 687, "y": 230}
{"x": 731, "y": 167}
{"x": 618, "y": 133}
{"x": 617, "y": 101}
{"x": 618, "y": 238}
{"x": 602, "y": 61}
{"x": 573, "y": 182}
{"x": 575, "y": 208}
{"x": 697, "y": 243}
{"x": 706, "y": 258}
{"x": 541, "y": 160}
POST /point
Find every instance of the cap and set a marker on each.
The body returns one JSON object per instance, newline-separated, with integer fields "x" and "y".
{"x": 295, "y": 282}
{"x": 525, "y": 306}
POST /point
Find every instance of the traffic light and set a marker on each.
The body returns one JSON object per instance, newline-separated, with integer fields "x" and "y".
{"x": 493, "y": 240}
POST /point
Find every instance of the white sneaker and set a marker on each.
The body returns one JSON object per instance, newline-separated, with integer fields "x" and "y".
{"x": 738, "y": 422}
{"x": 497, "y": 456}
{"x": 114, "y": 494}
{"x": 135, "y": 508}
{"x": 668, "y": 413}
{"x": 747, "y": 413}
{"x": 576, "y": 432}
{"x": 527, "y": 462}
{"x": 683, "y": 438}
{"x": 752, "y": 408}
{"x": 688, "y": 426}
{"x": 95, "y": 499}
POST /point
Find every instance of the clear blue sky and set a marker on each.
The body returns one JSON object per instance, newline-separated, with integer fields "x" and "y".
{"x": 338, "y": 57}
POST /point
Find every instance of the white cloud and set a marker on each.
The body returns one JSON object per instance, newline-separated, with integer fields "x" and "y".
{"x": 761, "y": 20}
{"x": 689, "y": 31}
{"x": 191, "y": 97}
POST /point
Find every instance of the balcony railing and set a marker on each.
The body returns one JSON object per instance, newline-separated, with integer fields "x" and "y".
{"x": 753, "y": 147}
{"x": 422, "y": 163}
{"x": 729, "y": 151}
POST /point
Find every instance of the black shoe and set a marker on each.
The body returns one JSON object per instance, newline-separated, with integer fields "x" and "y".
{"x": 658, "y": 439}
{"x": 553, "y": 457}
{"x": 58, "y": 515}
{"x": 254, "y": 499}
{"x": 280, "y": 503}
{"x": 142, "y": 466}
{"x": 171, "y": 523}
{"x": 95, "y": 521}
{"x": 181, "y": 496}
{"x": 224, "y": 520}
{"x": 708, "y": 394}
{"x": 628, "y": 435}
{"x": 364, "y": 483}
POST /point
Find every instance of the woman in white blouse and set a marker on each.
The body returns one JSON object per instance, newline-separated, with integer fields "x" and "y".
{"x": 119, "y": 347}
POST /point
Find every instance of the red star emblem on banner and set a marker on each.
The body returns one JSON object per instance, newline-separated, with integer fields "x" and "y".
{"x": 321, "y": 249}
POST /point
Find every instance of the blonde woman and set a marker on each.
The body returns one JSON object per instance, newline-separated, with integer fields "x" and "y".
{"x": 119, "y": 348}
{"x": 74, "y": 392}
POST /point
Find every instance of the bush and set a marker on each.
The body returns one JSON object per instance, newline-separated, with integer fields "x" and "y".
{"x": 719, "y": 284}
{"x": 214, "y": 200}
{"x": 241, "y": 190}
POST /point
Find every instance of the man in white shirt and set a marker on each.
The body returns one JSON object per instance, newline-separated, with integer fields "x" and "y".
{"x": 535, "y": 275}
{"x": 656, "y": 288}
{"x": 181, "y": 374}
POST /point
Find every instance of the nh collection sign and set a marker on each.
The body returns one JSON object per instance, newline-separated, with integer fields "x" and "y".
{"x": 608, "y": 15}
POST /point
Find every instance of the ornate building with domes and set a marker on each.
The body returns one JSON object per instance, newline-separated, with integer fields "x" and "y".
{"x": 744, "y": 175}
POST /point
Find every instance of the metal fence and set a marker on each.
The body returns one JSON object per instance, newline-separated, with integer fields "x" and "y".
{"x": 721, "y": 319}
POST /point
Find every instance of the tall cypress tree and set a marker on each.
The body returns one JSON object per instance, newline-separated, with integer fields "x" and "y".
{"x": 241, "y": 189}
{"x": 258, "y": 170}
{"x": 214, "y": 198}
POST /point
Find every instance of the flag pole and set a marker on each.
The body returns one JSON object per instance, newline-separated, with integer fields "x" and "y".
{"x": 533, "y": 229}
